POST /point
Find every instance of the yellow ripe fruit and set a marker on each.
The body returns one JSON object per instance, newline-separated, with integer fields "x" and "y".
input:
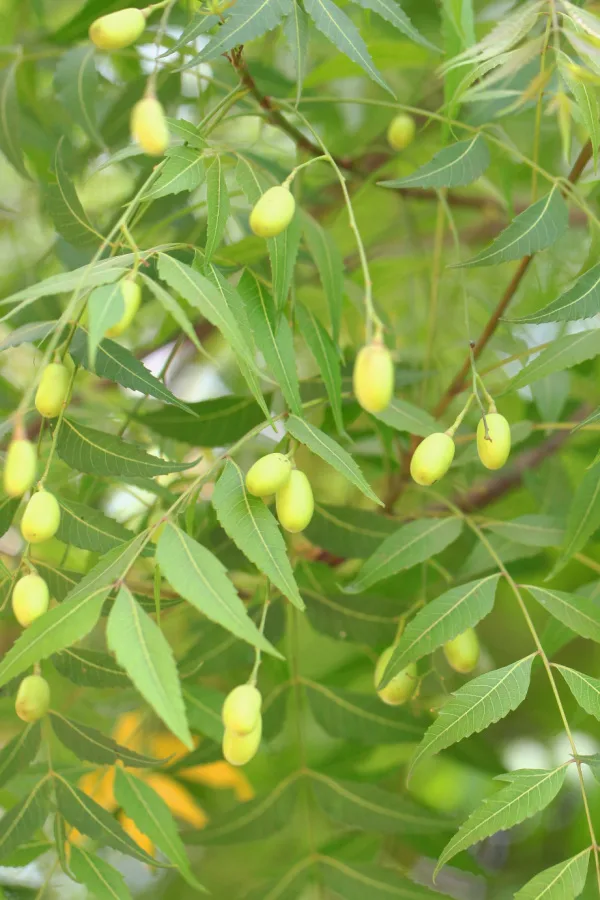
{"x": 493, "y": 453}
{"x": 41, "y": 518}
{"x": 19, "y": 468}
{"x": 30, "y": 599}
{"x": 373, "y": 377}
{"x": 33, "y": 698}
{"x": 432, "y": 458}
{"x": 268, "y": 474}
{"x": 117, "y": 30}
{"x": 132, "y": 297}
{"x": 462, "y": 652}
{"x": 149, "y": 126}
{"x": 239, "y": 749}
{"x": 295, "y": 502}
{"x": 273, "y": 212}
{"x": 403, "y": 684}
{"x": 241, "y": 710}
{"x": 401, "y": 131}
{"x": 52, "y": 390}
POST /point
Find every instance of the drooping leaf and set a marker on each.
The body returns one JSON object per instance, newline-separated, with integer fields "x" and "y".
{"x": 581, "y": 301}
{"x": 76, "y": 82}
{"x": 393, "y": 13}
{"x": 105, "y": 882}
{"x": 67, "y": 213}
{"x": 283, "y": 251}
{"x": 204, "y": 705}
{"x": 564, "y": 881}
{"x": 247, "y": 20}
{"x": 90, "y": 744}
{"x": 584, "y": 517}
{"x": 326, "y": 356}
{"x": 60, "y": 582}
{"x": 532, "y": 530}
{"x": 348, "y": 532}
{"x": 8, "y": 508}
{"x": 200, "y": 24}
{"x": 25, "y": 334}
{"x": 217, "y": 206}
{"x": 183, "y": 170}
{"x": 89, "y": 668}
{"x": 23, "y": 819}
{"x": 173, "y": 309}
{"x": 562, "y": 353}
{"x": 295, "y": 29}
{"x": 353, "y": 880}
{"x": 20, "y": 751}
{"x": 453, "y": 166}
{"x": 10, "y": 126}
{"x": 105, "y": 307}
{"x": 88, "y": 528}
{"x": 584, "y": 688}
{"x": 578, "y": 613}
{"x": 330, "y": 265}
{"x": 403, "y": 416}
{"x": 252, "y": 527}
{"x": 210, "y": 423}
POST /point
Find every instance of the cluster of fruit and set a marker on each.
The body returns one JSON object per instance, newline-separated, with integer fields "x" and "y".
{"x": 243, "y": 724}
{"x": 275, "y": 474}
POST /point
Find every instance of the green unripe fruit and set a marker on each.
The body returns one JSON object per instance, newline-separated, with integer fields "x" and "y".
{"x": 30, "y": 599}
{"x": 268, "y": 474}
{"x": 462, "y": 652}
{"x": 19, "y": 468}
{"x": 117, "y": 30}
{"x": 295, "y": 502}
{"x": 401, "y": 131}
{"x": 132, "y": 297}
{"x": 52, "y": 390}
{"x": 432, "y": 458}
{"x": 41, "y": 518}
{"x": 33, "y": 698}
{"x": 149, "y": 126}
{"x": 401, "y": 687}
{"x": 239, "y": 749}
{"x": 241, "y": 710}
{"x": 493, "y": 453}
{"x": 373, "y": 377}
{"x": 273, "y": 212}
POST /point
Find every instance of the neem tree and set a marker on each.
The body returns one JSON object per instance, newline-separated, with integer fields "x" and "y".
{"x": 311, "y": 230}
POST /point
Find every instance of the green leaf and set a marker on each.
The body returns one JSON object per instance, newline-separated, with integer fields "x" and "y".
{"x": 99, "y": 453}
{"x": 537, "y": 228}
{"x": 273, "y": 338}
{"x": 348, "y": 532}
{"x": 395, "y": 15}
{"x": 173, "y": 309}
{"x": 97, "y": 875}
{"x": 23, "y": 819}
{"x": 182, "y": 170}
{"x": 89, "y": 744}
{"x": 528, "y": 792}
{"x": 564, "y": 352}
{"x": 578, "y": 613}
{"x": 152, "y": 816}
{"x": 210, "y": 423}
{"x": 200, "y": 24}
{"x": 295, "y": 29}
{"x": 75, "y": 83}
{"x": 196, "y": 574}
{"x": 8, "y": 508}
{"x": 217, "y": 198}
{"x": 10, "y": 128}
{"x": 248, "y": 19}
{"x": 204, "y": 705}
{"x": 403, "y": 416}
{"x": 533, "y": 531}
{"x": 441, "y": 620}
{"x": 581, "y": 301}
{"x": 118, "y": 364}
{"x": 354, "y": 881}
{"x": 454, "y": 166}
{"x": 59, "y": 582}
{"x": 26, "y": 334}
{"x": 409, "y": 545}
{"x": 584, "y": 688}
{"x": 142, "y": 650}
{"x": 66, "y": 211}
{"x": 252, "y": 528}
{"x": 475, "y": 706}
{"x": 329, "y": 450}
{"x": 564, "y": 881}
{"x": 584, "y": 518}
{"x": 283, "y": 251}
{"x": 88, "y": 528}
{"x": 20, "y": 751}
{"x": 330, "y": 265}
{"x": 343, "y": 34}
{"x": 105, "y": 306}
{"x": 327, "y": 358}
{"x": 91, "y": 819}
{"x": 89, "y": 668}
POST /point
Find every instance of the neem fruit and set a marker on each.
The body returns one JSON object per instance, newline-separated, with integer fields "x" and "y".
{"x": 401, "y": 131}
{"x": 403, "y": 684}
{"x": 52, "y": 390}
{"x": 149, "y": 126}
{"x": 118, "y": 29}
{"x": 462, "y": 652}
{"x": 273, "y": 212}
{"x": 295, "y": 502}
{"x": 30, "y": 599}
{"x": 20, "y": 467}
{"x": 268, "y": 474}
{"x": 33, "y": 698}
{"x": 132, "y": 297}
{"x": 493, "y": 451}
{"x": 41, "y": 518}
{"x": 373, "y": 377}
{"x": 239, "y": 749}
{"x": 241, "y": 710}
{"x": 432, "y": 458}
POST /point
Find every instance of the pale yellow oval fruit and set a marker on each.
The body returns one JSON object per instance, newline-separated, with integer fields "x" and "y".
{"x": 268, "y": 474}
{"x": 19, "y": 468}
{"x": 52, "y": 390}
{"x": 295, "y": 502}
{"x": 273, "y": 212}
{"x": 149, "y": 126}
{"x": 403, "y": 684}
{"x": 401, "y": 131}
{"x": 432, "y": 458}
{"x": 462, "y": 652}
{"x": 241, "y": 710}
{"x": 118, "y": 29}
{"x": 239, "y": 749}
{"x": 41, "y": 518}
{"x": 493, "y": 453}
{"x": 30, "y": 599}
{"x": 132, "y": 297}
{"x": 373, "y": 377}
{"x": 33, "y": 698}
